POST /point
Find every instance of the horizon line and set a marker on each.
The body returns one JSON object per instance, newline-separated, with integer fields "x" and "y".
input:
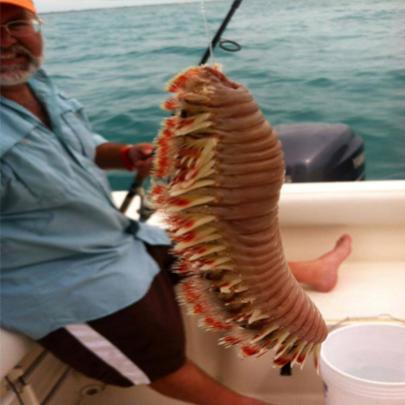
{"x": 158, "y": 3}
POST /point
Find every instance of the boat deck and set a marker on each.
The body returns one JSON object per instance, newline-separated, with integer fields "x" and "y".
{"x": 313, "y": 216}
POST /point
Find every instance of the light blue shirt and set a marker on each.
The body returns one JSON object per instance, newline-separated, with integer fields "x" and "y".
{"x": 67, "y": 254}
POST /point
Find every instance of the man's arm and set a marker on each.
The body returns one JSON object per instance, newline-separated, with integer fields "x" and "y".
{"x": 128, "y": 157}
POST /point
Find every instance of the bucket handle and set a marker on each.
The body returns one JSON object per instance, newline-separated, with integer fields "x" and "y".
{"x": 379, "y": 318}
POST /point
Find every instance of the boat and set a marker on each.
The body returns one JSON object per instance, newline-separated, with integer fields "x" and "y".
{"x": 312, "y": 216}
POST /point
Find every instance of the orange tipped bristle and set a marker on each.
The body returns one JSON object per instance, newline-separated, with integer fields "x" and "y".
{"x": 178, "y": 201}
{"x": 187, "y": 237}
{"x": 182, "y": 267}
{"x": 231, "y": 340}
{"x": 162, "y": 150}
{"x": 189, "y": 152}
{"x": 161, "y": 172}
{"x": 170, "y": 104}
{"x": 206, "y": 261}
{"x": 162, "y": 168}
{"x": 182, "y": 79}
{"x": 160, "y": 200}
{"x": 188, "y": 286}
{"x": 191, "y": 296}
{"x": 197, "y": 250}
{"x": 158, "y": 190}
{"x": 184, "y": 222}
{"x": 177, "y": 180}
{"x": 179, "y": 82}
{"x": 163, "y": 160}
{"x": 185, "y": 121}
{"x": 281, "y": 361}
{"x": 162, "y": 142}
{"x": 191, "y": 299}
{"x": 170, "y": 122}
{"x": 167, "y": 133}
{"x": 213, "y": 323}
{"x": 250, "y": 350}
{"x": 162, "y": 157}
{"x": 199, "y": 309}
{"x": 193, "y": 173}
{"x": 280, "y": 349}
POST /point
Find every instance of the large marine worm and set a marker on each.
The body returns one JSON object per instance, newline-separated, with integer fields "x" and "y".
{"x": 217, "y": 176}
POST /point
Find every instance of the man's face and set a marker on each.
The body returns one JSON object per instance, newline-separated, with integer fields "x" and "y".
{"x": 20, "y": 57}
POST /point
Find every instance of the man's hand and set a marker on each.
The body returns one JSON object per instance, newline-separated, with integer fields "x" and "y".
{"x": 130, "y": 157}
{"x": 141, "y": 156}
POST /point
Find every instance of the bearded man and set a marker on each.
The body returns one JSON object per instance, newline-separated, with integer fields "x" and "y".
{"x": 79, "y": 277}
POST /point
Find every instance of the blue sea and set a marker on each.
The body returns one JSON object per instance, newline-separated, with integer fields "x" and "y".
{"x": 304, "y": 60}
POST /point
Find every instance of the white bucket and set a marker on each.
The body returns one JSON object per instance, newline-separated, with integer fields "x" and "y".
{"x": 364, "y": 365}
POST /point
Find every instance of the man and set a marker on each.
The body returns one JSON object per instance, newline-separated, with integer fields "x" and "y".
{"x": 79, "y": 277}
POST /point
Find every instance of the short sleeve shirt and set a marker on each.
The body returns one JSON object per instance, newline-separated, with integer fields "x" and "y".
{"x": 67, "y": 254}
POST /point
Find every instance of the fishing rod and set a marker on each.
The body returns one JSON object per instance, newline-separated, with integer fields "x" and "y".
{"x": 217, "y": 36}
{"x": 136, "y": 187}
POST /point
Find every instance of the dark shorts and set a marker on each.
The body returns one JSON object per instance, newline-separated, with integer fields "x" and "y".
{"x": 136, "y": 345}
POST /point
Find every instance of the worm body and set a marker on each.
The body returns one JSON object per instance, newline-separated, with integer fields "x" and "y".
{"x": 218, "y": 172}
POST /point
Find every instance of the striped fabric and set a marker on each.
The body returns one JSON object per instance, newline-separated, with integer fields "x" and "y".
{"x": 107, "y": 352}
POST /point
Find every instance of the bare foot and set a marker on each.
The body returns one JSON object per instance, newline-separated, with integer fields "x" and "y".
{"x": 325, "y": 271}
{"x": 321, "y": 274}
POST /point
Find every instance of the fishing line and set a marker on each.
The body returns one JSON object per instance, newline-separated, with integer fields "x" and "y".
{"x": 207, "y": 30}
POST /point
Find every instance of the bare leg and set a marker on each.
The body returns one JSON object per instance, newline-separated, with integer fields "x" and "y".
{"x": 191, "y": 384}
{"x": 321, "y": 273}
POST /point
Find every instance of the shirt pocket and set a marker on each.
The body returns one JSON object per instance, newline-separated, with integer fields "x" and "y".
{"x": 76, "y": 128}
{"x": 35, "y": 175}
{"x": 16, "y": 196}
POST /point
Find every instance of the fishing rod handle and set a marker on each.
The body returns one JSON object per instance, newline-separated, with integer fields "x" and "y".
{"x": 133, "y": 191}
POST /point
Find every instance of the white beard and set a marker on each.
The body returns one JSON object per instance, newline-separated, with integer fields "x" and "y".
{"x": 18, "y": 74}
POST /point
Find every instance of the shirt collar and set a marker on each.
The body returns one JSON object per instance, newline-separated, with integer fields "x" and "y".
{"x": 17, "y": 122}
{"x": 42, "y": 86}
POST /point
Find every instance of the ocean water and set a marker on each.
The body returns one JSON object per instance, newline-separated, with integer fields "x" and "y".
{"x": 304, "y": 61}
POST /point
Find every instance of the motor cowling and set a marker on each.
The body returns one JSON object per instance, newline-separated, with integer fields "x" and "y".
{"x": 318, "y": 152}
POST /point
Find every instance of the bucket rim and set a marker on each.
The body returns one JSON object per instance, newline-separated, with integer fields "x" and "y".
{"x": 399, "y": 385}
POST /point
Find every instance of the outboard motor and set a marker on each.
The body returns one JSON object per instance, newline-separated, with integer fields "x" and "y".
{"x": 317, "y": 152}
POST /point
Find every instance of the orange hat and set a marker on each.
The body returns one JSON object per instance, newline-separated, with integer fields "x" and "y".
{"x": 27, "y": 4}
